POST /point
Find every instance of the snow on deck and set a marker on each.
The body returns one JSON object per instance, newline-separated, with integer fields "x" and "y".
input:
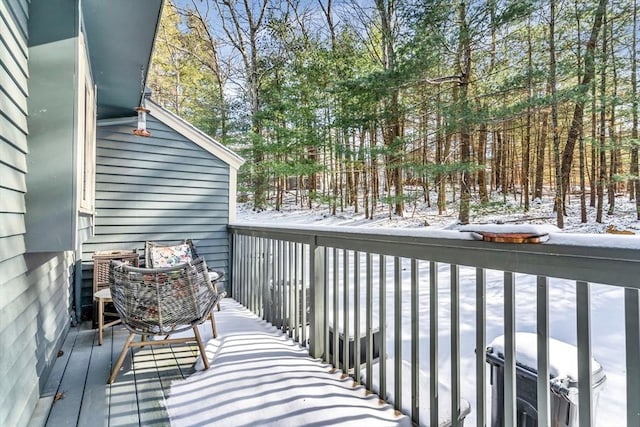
{"x": 258, "y": 376}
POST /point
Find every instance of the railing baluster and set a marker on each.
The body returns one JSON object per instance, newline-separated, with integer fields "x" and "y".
{"x": 345, "y": 311}
{"x": 397, "y": 333}
{"x": 283, "y": 286}
{"x": 257, "y": 276}
{"x": 275, "y": 272}
{"x": 252, "y": 275}
{"x": 247, "y": 286}
{"x": 268, "y": 274}
{"x": 542, "y": 310}
{"x": 585, "y": 382}
{"x": 291, "y": 288}
{"x": 455, "y": 346}
{"x": 415, "y": 342}
{"x": 247, "y": 281}
{"x": 325, "y": 285}
{"x": 481, "y": 345}
{"x": 237, "y": 271}
{"x": 255, "y": 279}
{"x": 232, "y": 271}
{"x": 318, "y": 347}
{"x": 336, "y": 310}
{"x": 258, "y": 283}
{"x": 305, "y": 285}
{"x": 262, "y": 273}
{"x": 369, "y": 320}
{"x": 233, "y": 279}
{"x": 273, "y": 265}
{"x": 382, "y": 287}
{"x": 253, "y": 267}
{"x": 356, "y": 316}
{"x": 243, "y": 278}
{"x": 433, "y": 344}
{"x": 286, "y": 288}
{"x": 632, "y": 344}
{"x": 296, "y": 292}
{"x": 275, "y": 277}
{"x": 509, "y": 350}
{"x": 279, "y": 299}
{"x": 240, "y": 270}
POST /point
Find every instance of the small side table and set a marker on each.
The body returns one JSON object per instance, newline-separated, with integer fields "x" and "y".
{"x": 101, "y": 291}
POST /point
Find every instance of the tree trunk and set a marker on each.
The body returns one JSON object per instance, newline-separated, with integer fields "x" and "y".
{"x": 464, "y": 69}
{"x": 482, "y": 163}
{"x": 594, "y": 124}
{"x": 613, "y": 154}
{"x": 554, "y": 119}
{"x": 243, "y": 36}
{"x": 527, "y": 139}
{"x": 364, "y": 171}
{"x": 355, "y": 170}
{"x": 497, "y": 165}
{"x": 504, "y": 177}
{"x": 634, "y": 129}
{"x": 576, "y": 122}
{"x": 603, "y": 125}
{"x": 581, "y": 153}
{"x": 583, "y": 200}
{"x": 540, "y": 150}
{"x": 440, "y": 176}
{"x": 213, "y": 64}
{"x": 392, "y": 131}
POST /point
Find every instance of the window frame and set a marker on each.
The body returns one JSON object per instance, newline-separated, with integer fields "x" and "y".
{"x": 86, "y": 132}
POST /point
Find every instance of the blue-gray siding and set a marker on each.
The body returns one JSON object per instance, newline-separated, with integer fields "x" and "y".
{"x": 164, "y": 188}
{"x": 34, "y": 289}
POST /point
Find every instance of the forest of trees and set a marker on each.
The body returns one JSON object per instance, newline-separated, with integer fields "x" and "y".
{"x": 372, "y": 105}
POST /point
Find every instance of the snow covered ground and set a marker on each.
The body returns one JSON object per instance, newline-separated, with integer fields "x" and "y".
{"x": 540, "y": 212}
{"x": 607, "y": 305}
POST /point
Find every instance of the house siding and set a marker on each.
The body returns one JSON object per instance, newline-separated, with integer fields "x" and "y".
{"x": 163, "y": 188}
{"x": 34, "y": 288}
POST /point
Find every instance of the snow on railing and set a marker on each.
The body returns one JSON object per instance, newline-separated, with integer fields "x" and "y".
{"x": 422, "y": 302}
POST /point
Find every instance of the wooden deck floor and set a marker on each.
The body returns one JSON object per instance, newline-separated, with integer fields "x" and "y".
{"x": 77, "y": 393}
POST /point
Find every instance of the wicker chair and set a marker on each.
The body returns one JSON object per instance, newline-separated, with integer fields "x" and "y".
{"x": 163, "y": 255}
{"x": 161, "y": 301}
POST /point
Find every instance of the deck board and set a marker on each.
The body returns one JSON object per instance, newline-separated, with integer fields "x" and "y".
{"x": 95, "y": 406}
{"x": 123, "y": 399}
{"x": 40, "y": 415}
{"x": 149, "y": 388}
{"x": 66, "y": 409}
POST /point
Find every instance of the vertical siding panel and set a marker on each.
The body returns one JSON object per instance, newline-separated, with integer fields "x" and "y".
{"x": 162, "y": 188}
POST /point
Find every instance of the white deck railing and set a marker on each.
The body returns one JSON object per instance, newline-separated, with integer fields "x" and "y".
{"x": 393, "y": 283}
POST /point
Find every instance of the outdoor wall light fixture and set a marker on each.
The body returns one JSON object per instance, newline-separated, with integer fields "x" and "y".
{"x": 142, "y": 111}
{"x": 142, "y": 122}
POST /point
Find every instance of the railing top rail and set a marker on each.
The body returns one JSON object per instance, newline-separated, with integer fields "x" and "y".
{"x": 609, "y": 259}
